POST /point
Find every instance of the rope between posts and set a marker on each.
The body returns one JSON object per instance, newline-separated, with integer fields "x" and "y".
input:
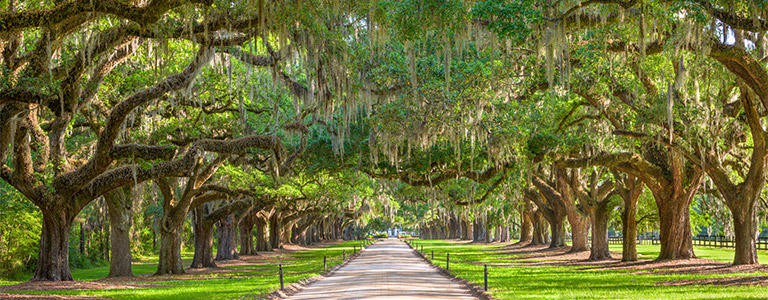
{"x": 345, "y": 258}
{"x": 415, "y": 247}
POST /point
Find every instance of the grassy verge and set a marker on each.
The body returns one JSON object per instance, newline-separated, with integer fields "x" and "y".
{"x": 231, "y": 285}
{"x": 523, "y": 280}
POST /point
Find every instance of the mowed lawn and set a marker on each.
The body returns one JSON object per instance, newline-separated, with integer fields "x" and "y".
{"x": 514, "y": 279}
{"x": 248, "y": 284}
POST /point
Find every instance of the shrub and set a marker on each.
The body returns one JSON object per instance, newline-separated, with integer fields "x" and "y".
{"x": 21, "y": 223}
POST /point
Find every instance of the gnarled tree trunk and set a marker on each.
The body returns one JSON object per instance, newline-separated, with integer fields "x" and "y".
{"x": 262, "y": 238}
{"x": 170, "y": 252}
{"x": 579, "y": 233}
{"x": 275, "y": 231}
{"x": 246, "y": 234}
{"x": 526, "y": 219}
{"x": 119, "y": 204}
{"x": 557, "y": 228}
{"x": 227, "y": 247}
{"x": 53, "y": 259}
{"x": 675, "y": 228}
{"x": 746, "y": 229}
{"x": 540, "y": 233}
{"x": 599, "y": 216}
{"x": 203, "y": 257}
{"x": 630, "y": 189}
{"x": 479, "y": 230}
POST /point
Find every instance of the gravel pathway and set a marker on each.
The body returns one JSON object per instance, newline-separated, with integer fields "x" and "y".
{"x": 385, "y": 270}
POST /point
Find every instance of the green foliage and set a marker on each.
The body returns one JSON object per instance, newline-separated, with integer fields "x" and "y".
{"x": 21, "y": 223}
{"x": 509, "y": 19}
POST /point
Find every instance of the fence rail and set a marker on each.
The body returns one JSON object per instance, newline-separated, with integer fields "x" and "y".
{"x": 719, "y": 241}
{"x": 617, "y": 240}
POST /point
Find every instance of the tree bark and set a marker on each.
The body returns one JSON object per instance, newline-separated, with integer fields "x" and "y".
{"x": 579, "y": 234}
{"x": 479, "y": 230}
{"x": 629, "y": 235}
{"x": 558, "y": 233}
{"x": 275, "y": 233}
{"x": 745, "y": 228}
{"x": 675, "y": 230}
{"x": 630, "y": 190}
{"x": 170, "y": 252}
{"x": 227, "y": 247}
{"x": 488, "y": 230}
{"x": 119, "y": 204}
{"x": 540, "y": 234}
{"x": 526, "y": 217}
{"x": 466, "y": 231}
{"x": 262, "y": 239}
{"x": 246, "y": 235}
{"x": 551, "y": 204}
{"x": 82, "y": 238}
{"x": 53, "y": 258}
{"x": 599, "y": 216}
{"x": 504, "y": 234}
{"x": 203, "y": 257}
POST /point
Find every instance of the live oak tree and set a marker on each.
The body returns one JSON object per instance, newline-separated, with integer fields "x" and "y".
{"x": 56, "y": 59}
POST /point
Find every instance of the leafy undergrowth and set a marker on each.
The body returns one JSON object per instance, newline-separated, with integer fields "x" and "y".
{"x": 515, "y": 277}
{"x": 245, "y": 280}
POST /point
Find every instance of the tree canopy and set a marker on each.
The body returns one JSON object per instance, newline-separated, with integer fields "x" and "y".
{"x": 316, "y": 119}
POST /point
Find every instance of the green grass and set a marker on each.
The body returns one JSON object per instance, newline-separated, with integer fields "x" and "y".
{"x": 246, "y": 284}
{"x": 510, "y": 279}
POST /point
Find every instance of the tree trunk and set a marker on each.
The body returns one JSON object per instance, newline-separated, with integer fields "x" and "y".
{"x": 170, "y": 252}
{"x": 275, "y": 233}
{"x": 227, "y": 247}
{"x": 455, "y": 227}
{"x": 630, "y": 192}
{"x": 629, "y": 231}
{"x": 286, "y": 230}
{"x": 488, "y": 230}
{"x": 675, "y": 229}
{"x": 203, "y": 257}
{"x": 53, "y": 255}
{"x": 466, "y": 231}
{"x": 540, "y": 234}
{"x": 745, "y": 228}
{"x": 599, "y": 216}
{"x": 479, "y": 229}
{"x": 119, "y": 205}
{"x": 526, "y": 230}
{"x": 673, "y": 202}
{"x": 262, "y": 240}
{"x": 579, "y": 234}
{"x": 558, "y": 233}
{"x": 82, "y": 238}
{"x": 504, "y": 234}
{"x": 246, "y": 237}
